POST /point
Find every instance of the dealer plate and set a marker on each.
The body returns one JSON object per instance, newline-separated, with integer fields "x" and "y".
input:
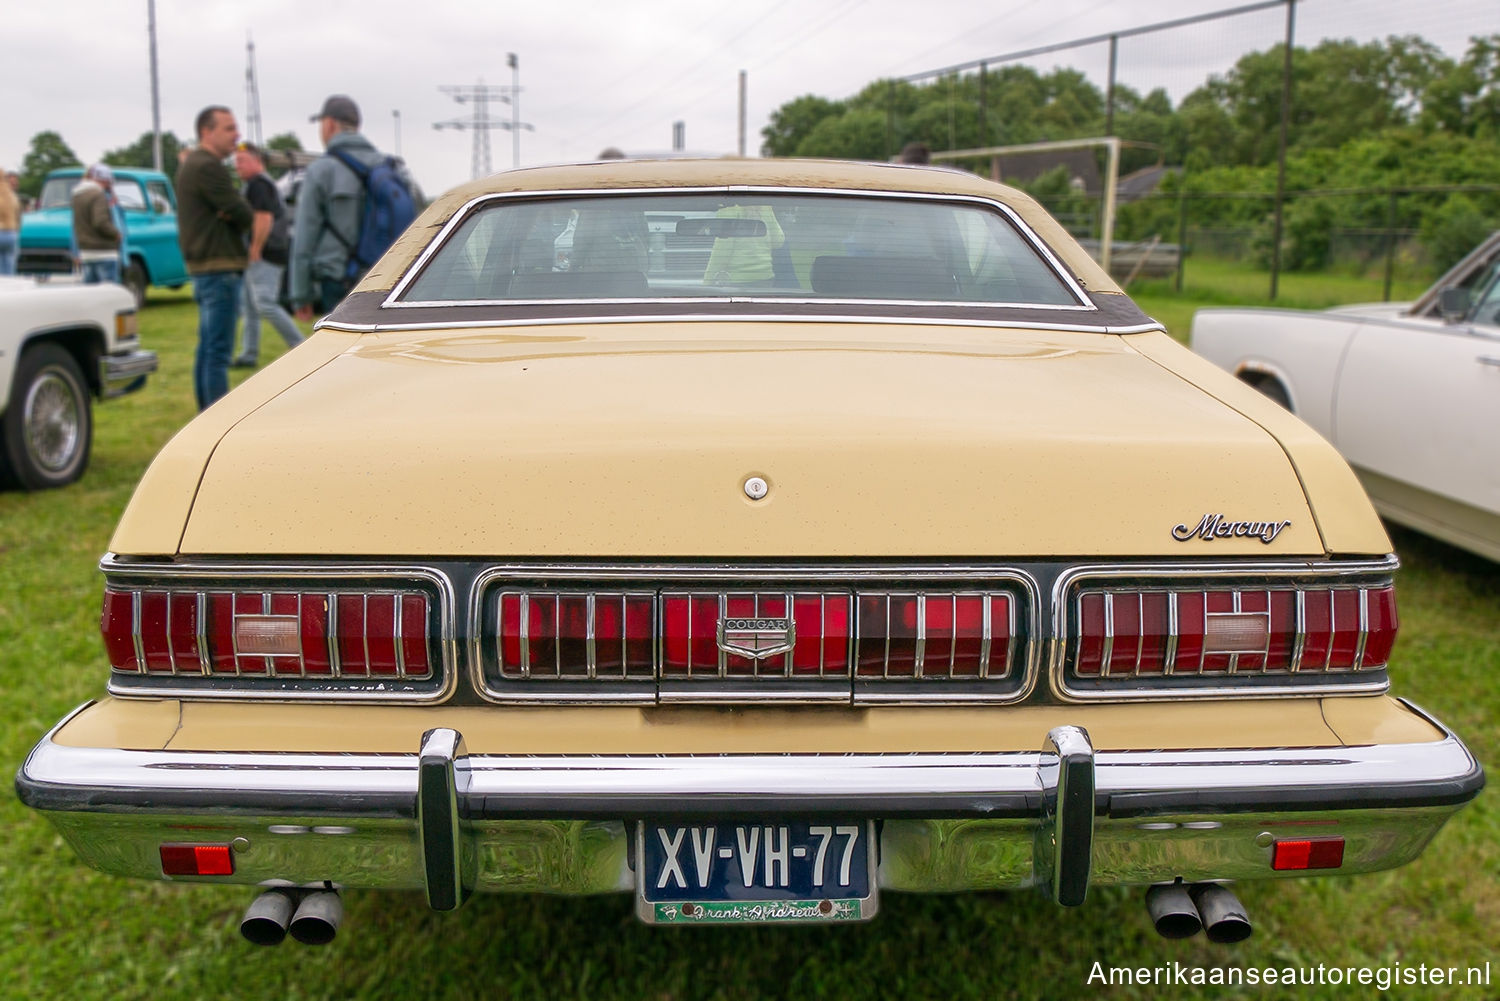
{"x": 771, "y": 871}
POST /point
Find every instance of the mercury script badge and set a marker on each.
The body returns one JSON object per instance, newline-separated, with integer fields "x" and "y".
{"x": 757, "y": 638}
{"x": 1216, "y": 526}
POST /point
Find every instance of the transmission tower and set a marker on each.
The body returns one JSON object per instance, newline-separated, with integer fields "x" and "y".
{"x": 479, "y": 96}
{"x": 252, "y": 96}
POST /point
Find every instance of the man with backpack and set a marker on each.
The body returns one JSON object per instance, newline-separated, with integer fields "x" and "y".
{"x": 270, "y": 243}
{"x": 353, "y": 204}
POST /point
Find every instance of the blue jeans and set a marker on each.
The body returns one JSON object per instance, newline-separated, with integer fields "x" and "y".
{"x": 8, "y": 243}
{"x": 262, "y": 283}
{"x": 101, "y": 271}
{"x": 218, "y": 298}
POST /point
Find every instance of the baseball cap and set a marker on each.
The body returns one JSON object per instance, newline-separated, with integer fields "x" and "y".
{"x": 340, "y": 108}
{"x": 101, "y": 172}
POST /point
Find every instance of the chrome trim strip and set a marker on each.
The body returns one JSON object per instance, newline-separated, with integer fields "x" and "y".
{"x": 919, "y": 653}
{"x": 205, "y": 665}
{"x": 209, "y": 571}
{"x": 460, "y": 216}
{"x": 136, "y": 600}
{"x": 1299, "y": 640}
{"x": 679, "y": 578}
{"x": 397, "y": 634}
{"x": 573, "y": 321}
{"x": 1364, "y": 629}
{"x": 590, "y": 651}
{"x": 1107, "y": 654}
{"x": 1164, "y": 573}
{"x": 71, "y": 778}
{"x": 1169, "y": 655}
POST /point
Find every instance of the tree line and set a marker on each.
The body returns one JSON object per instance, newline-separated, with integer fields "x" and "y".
{"x": 1389, "y": 114}
{"x": 48, "y": 151}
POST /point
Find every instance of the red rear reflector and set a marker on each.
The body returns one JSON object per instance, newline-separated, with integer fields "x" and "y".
{"x": 197, "y": 860}
{"x": 1313, "y": 853}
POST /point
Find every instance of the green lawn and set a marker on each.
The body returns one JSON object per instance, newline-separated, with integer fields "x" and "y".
{"x": 68, "y": 932}
{"x": 1211, "y": 281}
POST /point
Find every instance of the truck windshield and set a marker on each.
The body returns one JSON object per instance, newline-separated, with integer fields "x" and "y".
{"x": 58, "y": 193}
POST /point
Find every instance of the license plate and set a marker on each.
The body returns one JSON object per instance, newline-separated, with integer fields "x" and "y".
{"x": 779, "y": 871}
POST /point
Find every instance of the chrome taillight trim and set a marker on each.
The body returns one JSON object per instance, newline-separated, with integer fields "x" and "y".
{"x": 1021, "y": 587}
{"x": 1362, "y": 575}
{"x": 207, "y": 576}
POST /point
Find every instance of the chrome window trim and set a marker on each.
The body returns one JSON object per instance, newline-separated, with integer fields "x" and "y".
{"x": 666, "y": 577}
{"x": 394, "y": 300}
{"x": 573, "y": 321}
{"x": 1151, "y": 688}
{"x": 115, "y": 569}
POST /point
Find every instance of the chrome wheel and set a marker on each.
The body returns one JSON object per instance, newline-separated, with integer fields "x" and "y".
{"x": 52, "y": 421}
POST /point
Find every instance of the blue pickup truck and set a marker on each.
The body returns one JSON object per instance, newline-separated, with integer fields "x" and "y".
{"x": 152, "y": 256}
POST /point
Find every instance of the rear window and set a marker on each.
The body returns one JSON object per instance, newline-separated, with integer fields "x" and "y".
{"x": 792, "y": 246}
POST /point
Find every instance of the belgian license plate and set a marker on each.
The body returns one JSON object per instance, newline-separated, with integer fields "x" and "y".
{"x": 775, "y": 871}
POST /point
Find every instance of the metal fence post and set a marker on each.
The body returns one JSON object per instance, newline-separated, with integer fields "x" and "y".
{"x": 1390, "y": 244}
{"x": 1286, "y": 115}
{"x": 1181, "y": 235}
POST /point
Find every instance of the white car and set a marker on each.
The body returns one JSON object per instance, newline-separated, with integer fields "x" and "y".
{"x": 62, "y": 343}
{"x": 1408, "y": 392}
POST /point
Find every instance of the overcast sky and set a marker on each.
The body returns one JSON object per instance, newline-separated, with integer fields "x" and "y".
{"x": 593, "y": 73}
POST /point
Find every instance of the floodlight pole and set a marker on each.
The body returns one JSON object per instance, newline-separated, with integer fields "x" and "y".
{"x": 155, "y": 89}
{"x": 514, "y": 63}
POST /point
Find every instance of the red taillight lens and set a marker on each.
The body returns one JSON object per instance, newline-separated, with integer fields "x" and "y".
{"x": 1120, "y": 633}
{"x": 604, "y": 634}
{"x": 197, "y": 860}
{"x": 267, "y": 634}
{"x": 1310, "y": 853}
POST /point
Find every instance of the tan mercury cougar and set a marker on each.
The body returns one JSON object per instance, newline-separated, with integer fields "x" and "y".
{"x": 752, "y": 537}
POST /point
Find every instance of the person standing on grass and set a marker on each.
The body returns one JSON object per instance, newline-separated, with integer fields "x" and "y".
{"x": 96, "y": 228}
{"x": 267, "y": 257}
{"x": 10, "y": 224}
{"x": 212, "y": 219}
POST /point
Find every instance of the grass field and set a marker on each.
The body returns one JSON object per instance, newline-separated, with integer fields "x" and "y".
{"x": 68, "y": 932}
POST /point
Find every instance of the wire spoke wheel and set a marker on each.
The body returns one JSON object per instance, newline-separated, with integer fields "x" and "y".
{"x": 53, "y": 421}
{"x": 47, "y": 427}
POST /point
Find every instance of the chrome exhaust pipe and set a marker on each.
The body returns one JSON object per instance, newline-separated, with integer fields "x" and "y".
{"x": 317, "y": 919}
{"x": 1172, "y": 911}
{"x": 1224, "y": 917}
{"x": 267, "y": 917}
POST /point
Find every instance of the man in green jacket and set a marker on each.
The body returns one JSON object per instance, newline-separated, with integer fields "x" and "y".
{"x": 96, "y": 231}
{"x": 212, "y": 219}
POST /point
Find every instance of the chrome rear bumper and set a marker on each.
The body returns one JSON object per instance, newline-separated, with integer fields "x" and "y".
{"x": 1063, "y": 817}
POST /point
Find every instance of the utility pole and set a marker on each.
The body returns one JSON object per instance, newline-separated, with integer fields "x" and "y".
{"x": 396, "y": 114}
{"x": 742, "y": 112}
{"x": 155, "y": 90}
{"x": 515, "y": 108}
{"x": 252, "y": 96}
{"x": 480, "y": 122}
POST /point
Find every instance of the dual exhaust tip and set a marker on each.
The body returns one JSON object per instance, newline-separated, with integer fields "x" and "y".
{"x": 1180, "y": 910}
{"x": 310, "y": 916}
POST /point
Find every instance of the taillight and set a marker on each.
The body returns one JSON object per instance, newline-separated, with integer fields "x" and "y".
{"x": 1135, "y": 633}
{"x": 221, "y": 633}
{"x": 605, "y": 634}
{"x": 803, "y": 635}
